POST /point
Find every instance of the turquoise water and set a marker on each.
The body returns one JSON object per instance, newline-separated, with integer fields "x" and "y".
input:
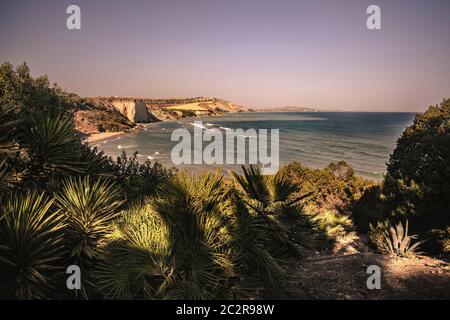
{"x": 364, "y": 140}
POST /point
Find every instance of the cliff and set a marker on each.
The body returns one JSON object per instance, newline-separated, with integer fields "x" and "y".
{"x": 134, "y": 110}
{"x": 118, "y": 114}
{"x": 143, "y": 110}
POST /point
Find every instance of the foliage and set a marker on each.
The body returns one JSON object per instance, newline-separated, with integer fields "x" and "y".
{"x": 274, "y": 198}
{"x": 393, "y": 239}
{"x": 335, "y": 225}
{"x": 195, "y": 210}
{"x": 89, "y": 207}
{"x": 31, "y": 246}
{"x": 369, "y": 208}
{"x": 417, "y": 183}
{"x": 8, "y": 125}
{"x": 178, "y": 245}
{"x": 19, "y": 88}
{"x": 135, "y": 263}
{"x": 50, "y": 143}
{"x": 333, "y": 188}
{"x": 139, "y": 180}
{"x": 195, "y": 240}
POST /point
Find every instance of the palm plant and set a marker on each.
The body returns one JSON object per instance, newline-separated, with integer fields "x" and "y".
{"x": 89, "y": 208}
{"x": 31, "y": 246}
{"x": 394, "y": 239}
{"x": 274, "y": 198}
{"x": 259, "y": 267}
{"x": 176, "y": 246}
{"x": 135, "y": 264}
{"x": 195, "y": 210}
{"x": 335, "y": 225}
{"x": 52, "y": 145}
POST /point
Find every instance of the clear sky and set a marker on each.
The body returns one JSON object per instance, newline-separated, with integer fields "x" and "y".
{"x": 252, "y": 52}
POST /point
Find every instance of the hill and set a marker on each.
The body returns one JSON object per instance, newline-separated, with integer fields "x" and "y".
{"x": 116, "y": 114}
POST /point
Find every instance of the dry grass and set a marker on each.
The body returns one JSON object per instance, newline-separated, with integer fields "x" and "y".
{"x": 188, "y": 106}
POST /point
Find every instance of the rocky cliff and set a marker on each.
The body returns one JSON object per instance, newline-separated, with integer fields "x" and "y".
{"x": 134, "y": 110}
{"x": 142, "y": 110}
{"x": 119, "y": 114}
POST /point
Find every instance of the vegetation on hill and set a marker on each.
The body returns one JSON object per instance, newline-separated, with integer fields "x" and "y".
{"x": 19, "y": 89}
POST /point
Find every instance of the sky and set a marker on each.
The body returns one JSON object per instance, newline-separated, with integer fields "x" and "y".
{"x": 256, "y": 53}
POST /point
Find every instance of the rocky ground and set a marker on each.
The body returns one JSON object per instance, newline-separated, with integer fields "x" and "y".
{"x": 344, "y": 276}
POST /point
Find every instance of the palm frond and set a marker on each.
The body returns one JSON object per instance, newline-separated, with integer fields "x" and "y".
{"x": 89, "y": 207}
{"x": 31, "y": 238}
{"x": 52, "y": 143}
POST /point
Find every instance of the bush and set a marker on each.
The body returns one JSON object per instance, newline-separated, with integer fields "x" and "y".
{"x": 139, "y": 180}
{"x": 369, "y": 208}
{"x": 31, "y": 246}
{"x": 417, "y": 183}
{"x": 336, "y": 226}
{"x": 184, "y": 253}
{"x": 333, "y": 188}
{"x": 89, "y": 207}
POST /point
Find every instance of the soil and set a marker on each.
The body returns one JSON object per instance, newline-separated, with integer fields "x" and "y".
{"x": 344, "y": 276}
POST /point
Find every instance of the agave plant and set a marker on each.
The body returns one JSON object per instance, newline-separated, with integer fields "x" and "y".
{"x": 31, "y": 246}
{"x": 89, "y": 207}
{"x": 394, "y": 239}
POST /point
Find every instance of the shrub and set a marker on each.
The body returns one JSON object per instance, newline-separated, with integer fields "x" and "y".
{"x": 335, "y": 225}
{"x": 333, "y": 188}
{"x": 139, "y": 180}
{"x": 369, "y": 208}
{"x": 274, "y": 198}
{"x": 179, "y": 245}
{"x": 417, "y": 183}
{"x": 31, "y": 246}
{"x": 89, "y": 207}
{"x": 136, "y": 263}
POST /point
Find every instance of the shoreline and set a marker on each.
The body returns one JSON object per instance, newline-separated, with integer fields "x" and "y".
{"x": 101, "y": 136}
{"x": 91, "y": 138}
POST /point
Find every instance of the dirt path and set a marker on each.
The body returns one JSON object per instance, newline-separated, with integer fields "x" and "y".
{"x": 344, "y": 277}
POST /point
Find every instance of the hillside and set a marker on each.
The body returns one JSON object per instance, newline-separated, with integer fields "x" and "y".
{"x": 118, "y": 114}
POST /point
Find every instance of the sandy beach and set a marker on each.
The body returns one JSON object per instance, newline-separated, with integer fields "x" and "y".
{"x": 96, "y": 137}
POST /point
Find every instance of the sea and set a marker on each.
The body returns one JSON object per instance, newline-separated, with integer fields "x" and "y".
{"x": 365, "y": 140}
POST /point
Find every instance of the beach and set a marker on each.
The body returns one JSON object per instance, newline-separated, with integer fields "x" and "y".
{"x": 97, "y": 137}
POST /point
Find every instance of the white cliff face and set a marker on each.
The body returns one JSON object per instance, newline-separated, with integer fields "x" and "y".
{"x": 134, "y": 110}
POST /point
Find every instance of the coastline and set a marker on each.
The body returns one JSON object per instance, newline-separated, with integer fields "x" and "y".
{"x": 101, "y": 136}
{"x": 91, "y": 138}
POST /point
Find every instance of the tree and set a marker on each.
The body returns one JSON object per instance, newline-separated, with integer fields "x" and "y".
{"x": 19, "y": 88}
{"x": 417, "y": 183}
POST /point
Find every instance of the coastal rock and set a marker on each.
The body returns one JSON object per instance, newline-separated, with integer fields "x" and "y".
{"x": 134, "y": 110}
